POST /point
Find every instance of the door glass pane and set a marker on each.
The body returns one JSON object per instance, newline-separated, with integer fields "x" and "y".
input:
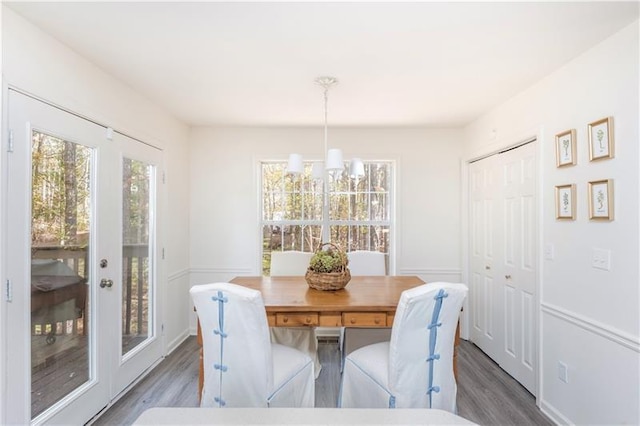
{"x": 136, "y": 264}
{"x": 60, "y": 237}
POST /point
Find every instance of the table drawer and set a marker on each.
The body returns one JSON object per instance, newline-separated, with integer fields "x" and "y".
{"x": 296, "y": 320}
{"x": 364, "y": 319}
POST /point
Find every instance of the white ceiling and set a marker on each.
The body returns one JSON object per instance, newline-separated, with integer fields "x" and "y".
{"x": 399, "y": 64}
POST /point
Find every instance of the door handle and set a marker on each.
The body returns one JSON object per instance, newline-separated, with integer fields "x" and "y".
{"x": 106, "y": 283}
{"x": 508, "y": 277}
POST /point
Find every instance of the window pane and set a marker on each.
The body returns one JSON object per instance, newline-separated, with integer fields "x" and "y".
{"x": 136, "y": 283}
{"x": 272, "y": 241}
{"x": 292, "y": 237}
{"x": 360, "y": 206}
{"x": 272, "y": 195}
{"x": 273, "y": 206}
{"x": 312, "y": 237}
{"x": 271, "y": 237}
{"x": 339, "y": 206}
{"x": 313, "y": 207}
{"x": 379, "y": 238}
{"x": 340, "y": 235}
{"x": 60, "y": 298}
{"x": 379, "y": 206}
{"x": 380, "y": 175}
{"x": 293, "y": 206}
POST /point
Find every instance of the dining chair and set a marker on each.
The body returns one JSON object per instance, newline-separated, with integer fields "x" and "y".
{"x": 295, "y": 263}
{"x": 415, "y": 368}
{"x": 242, "y": 368}
{"x": 289, "y": 263}
{"x": 363, "y": 262}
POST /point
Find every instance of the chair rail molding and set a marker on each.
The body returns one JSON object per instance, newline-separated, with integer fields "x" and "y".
{"x": 617, "y": 336}
{"x": 178, "y": 274}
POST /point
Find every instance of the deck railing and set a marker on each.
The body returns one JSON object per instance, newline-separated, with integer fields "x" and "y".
{"x": 135, "y": 276}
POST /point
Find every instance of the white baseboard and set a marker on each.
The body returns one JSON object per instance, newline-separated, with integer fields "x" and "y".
{"x": 177, "y": 341}
{"x": 553, "y": 414}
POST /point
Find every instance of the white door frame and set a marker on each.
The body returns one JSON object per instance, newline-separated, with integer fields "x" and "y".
{"x": 502, "y": 144}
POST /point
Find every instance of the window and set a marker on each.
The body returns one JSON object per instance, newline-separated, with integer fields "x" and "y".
{"x": 358, "y": 215}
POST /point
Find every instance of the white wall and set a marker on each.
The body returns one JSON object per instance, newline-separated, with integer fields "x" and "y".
{"x": 38, "y": 64}
{"x": 225, "y": 233}
{"x": 590, "y": 318}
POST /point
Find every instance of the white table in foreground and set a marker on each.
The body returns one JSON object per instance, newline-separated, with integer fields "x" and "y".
{"x": 297, "y": 416}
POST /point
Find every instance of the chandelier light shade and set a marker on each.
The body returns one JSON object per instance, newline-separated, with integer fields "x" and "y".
{"x": 356, "y": 169}
{"x": 295, "y": 165}
{"x": 317, "y": 170}
{"x": 334, "y": 160}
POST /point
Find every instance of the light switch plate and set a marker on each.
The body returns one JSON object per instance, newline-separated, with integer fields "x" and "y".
{"x": 601, "y": 259}
{"x": 549, "y": 251}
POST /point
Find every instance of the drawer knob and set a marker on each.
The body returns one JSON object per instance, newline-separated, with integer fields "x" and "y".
{"x": 285, "y": 319}
{"x": 353, "y": 320}
{"x": 377, "y": 320}
{"x": 308, "y": 320}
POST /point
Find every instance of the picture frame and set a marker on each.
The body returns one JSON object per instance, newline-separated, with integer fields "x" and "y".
{"x": 601, "y": 142}
{"x": 601, "y": 199}
{"x": 566, "y": 202}
{"x": 566, "y": 148}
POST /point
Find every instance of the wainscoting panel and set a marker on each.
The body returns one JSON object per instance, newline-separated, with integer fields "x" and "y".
{"x": 584, "y": 346}
{"x": 176, "y": 324}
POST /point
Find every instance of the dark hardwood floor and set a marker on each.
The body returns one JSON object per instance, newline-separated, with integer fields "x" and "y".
{"x": 486, "y": 394}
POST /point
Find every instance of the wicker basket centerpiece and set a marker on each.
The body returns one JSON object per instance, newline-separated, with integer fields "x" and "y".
{"x": 328, "y": 268}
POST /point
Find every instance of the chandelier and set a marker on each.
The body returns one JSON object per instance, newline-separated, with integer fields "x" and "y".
{"x": 332, "y": 157}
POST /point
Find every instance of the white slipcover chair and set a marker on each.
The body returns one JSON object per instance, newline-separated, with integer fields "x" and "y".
{"x": 414, "y": 369}
{"x": 363, "y": 263}
{"x": 242, "y": 368}
{"x": 294, "y": 263}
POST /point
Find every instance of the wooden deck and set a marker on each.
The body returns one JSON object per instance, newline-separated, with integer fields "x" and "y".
{"x": 56, "y": 369}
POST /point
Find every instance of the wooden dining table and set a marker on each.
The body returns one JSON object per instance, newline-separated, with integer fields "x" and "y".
{"x": 366, "y": 301}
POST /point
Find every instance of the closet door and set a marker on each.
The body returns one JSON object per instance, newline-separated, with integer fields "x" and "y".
{"x": 485, "y": 255}
{"x": 517, "y": 283}
{"x": 503, "y": 260}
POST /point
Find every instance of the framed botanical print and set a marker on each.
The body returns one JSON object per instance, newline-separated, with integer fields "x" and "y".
{"x": 566, "y": 202}
{"x": 601, "y": 199}
{"x": 601, "y": 139}
{"x": 566, "y": 148}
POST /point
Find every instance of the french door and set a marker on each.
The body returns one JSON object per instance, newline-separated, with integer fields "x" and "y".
{"x": 83, "y": 264}
{"x": 503, "y": 260}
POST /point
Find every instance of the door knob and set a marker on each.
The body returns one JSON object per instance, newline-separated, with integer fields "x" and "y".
{"x": 106, "y": 283}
